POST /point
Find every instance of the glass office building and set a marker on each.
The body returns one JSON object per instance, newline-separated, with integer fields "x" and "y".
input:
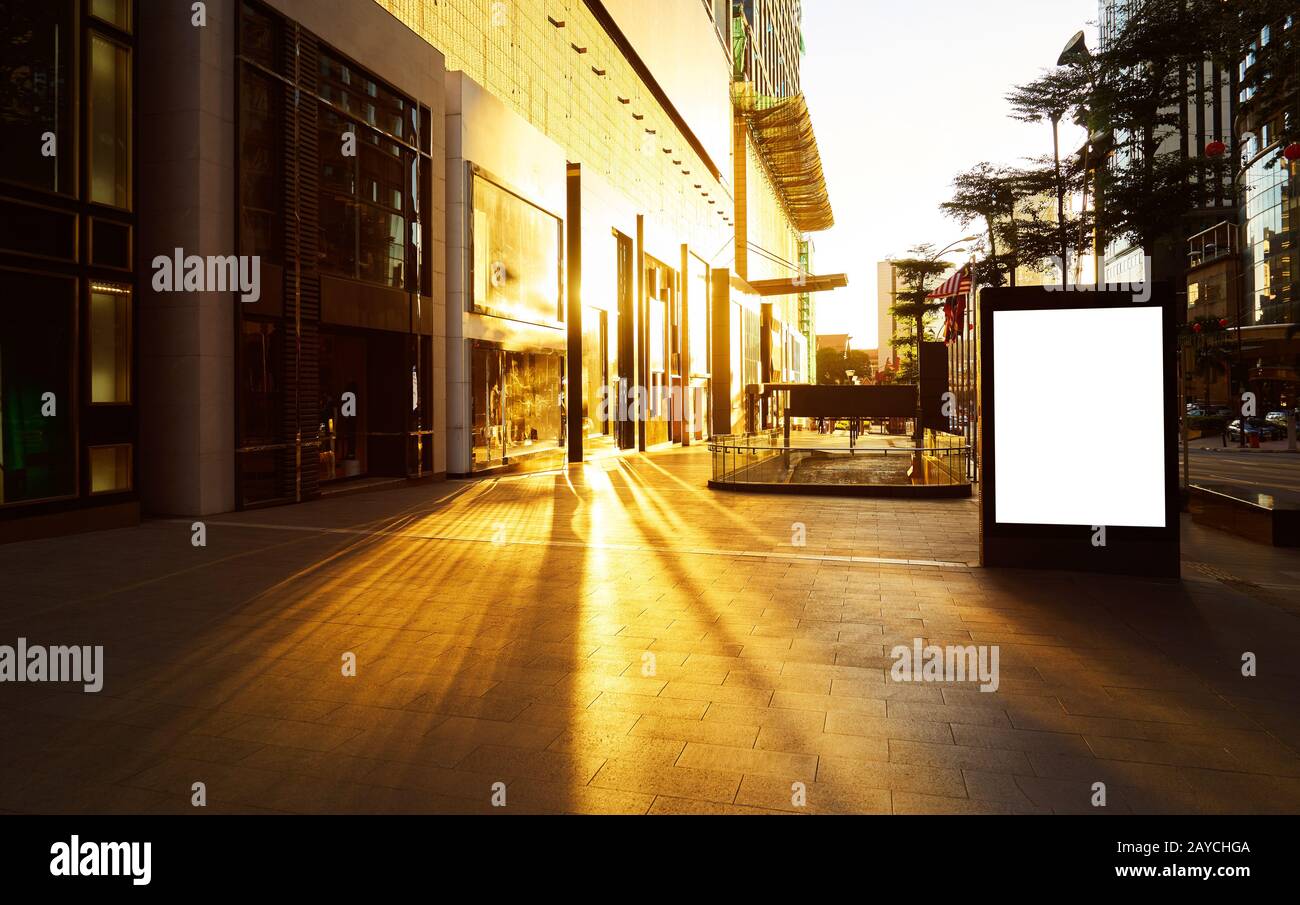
{"x": 1271, "y": 240}
{"x": 1270, "y": 227}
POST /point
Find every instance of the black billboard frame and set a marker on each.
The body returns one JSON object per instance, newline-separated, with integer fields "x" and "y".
{"x": 1139, "y": 551}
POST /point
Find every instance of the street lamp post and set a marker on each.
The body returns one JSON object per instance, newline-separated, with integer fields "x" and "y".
{"x": 1075, "y": 49}
{"x": 1060, "y": 199}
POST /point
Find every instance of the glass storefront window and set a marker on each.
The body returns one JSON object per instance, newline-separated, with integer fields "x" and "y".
{"x": 657, "y": 331}
{"x": 516, "y": 257}
{"x": 114, "y": 12}
{"x": 338, "y": 208}
{"x": 382, "y": 242}
{"x": 110, "y": 344}
{"x": 37, "y": 455}
{"x": 345, "y": 409}
{"x": 35, "y": 100}
{"x": 363, "y": 203}
{"x": 661, "y": 350}
{"x": 261, "y": 232}
{"x": 594, "y": 375}
{"x": 363, "y": 97}
{"x": 737, "y": 367}
{"x": 753, "y": 348}
{"x": 518, "y": 404}
{"x": 110, "y": 468}
{"x": 698, "y": 325}
{"x": 259, "y": 37}
{"x": 110, "y": 123}
{"x": 260, "y": 395}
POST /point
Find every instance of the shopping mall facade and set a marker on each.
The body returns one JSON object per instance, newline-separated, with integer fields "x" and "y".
{"x": 479, "y": 230}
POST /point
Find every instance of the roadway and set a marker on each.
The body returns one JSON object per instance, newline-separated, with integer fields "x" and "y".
{"x": 1256, "y": 469}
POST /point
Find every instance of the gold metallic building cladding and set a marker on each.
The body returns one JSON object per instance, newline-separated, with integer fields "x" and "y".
{"x": 551, "y": 62}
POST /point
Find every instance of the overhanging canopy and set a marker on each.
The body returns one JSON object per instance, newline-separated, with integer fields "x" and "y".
{"x": 782, "y": 133}
{"x": 797, "y": 286}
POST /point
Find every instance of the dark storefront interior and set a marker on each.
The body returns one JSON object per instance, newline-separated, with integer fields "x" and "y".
{"x": 662, "y": 355}
{"x": 335, "y": 370}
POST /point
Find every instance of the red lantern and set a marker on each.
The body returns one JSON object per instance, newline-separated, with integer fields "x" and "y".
{"x": 1197, "y": 328}
{"x": 1216, "y": 149}
{"x": 1223, "y": 322}
{"x": 1292, "y": 152}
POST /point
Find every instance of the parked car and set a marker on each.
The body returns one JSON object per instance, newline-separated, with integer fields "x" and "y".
{"x": 1265, "y": 430}
{"x": 1278, "y": 418}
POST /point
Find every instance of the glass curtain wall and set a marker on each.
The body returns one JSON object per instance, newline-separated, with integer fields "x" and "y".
{"x": 67, "y": 416}
{"x": 372, "y": 150}
{"x": 1272, "y": 241}
{"x": 36, "y": 94}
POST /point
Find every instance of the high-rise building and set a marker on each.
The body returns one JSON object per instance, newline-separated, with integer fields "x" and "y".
{"x": 1245, "y": 271}
{"x": 1270, "y": 210}
{"x": 776, "y": 27}
{"x": 1207, "y": 115}
{"x": 886, "y": 327}
{"x": 780, "y": 198}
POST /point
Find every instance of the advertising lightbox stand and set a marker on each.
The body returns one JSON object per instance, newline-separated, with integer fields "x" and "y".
{"x": 1078, "y": 397}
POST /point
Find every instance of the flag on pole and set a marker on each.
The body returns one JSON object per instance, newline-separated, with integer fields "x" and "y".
{"x": 957, "y": 284}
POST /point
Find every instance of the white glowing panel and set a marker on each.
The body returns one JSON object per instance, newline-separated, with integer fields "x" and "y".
{"x": 1079, "y": 438}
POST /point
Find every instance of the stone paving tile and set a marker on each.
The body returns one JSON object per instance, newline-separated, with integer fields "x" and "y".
{"x": 565, "y": 767}
{"x": 681, "y": 782}
{"x": 525, "y": 663}
{"x": 913, "y": 803}
{"x": 948, "y": 713}
{"x": 747, "y": 760}
{"x": 722, "y": 694}
{"x": 560, "y": 798}
{"x": 764, "y": 716}
{"x": 849, "y": 723}
{"x": 667, "y": 805}
{"x": 1020, "y": 740}
{"x": 234, "y": 783}
{"x": 892, "y": 776}
{"x": 823, "y": 743}
{"x": 1111, "y": 772}
{"x": 717, "y": 732}
{"x": 662, "y": 752}
{"x": 825, "y": 703}
{"x": 292, "y": 733}
{"x": 682, "y": 708}
{"x": 818, "y": 797}
{"x": 958, "y": 757}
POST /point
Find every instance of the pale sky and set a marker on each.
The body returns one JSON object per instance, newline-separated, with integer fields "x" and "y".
{"x": 904, "y": 95}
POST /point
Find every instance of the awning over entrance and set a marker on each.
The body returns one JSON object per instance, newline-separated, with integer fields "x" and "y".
{"x": 798, "y": 286}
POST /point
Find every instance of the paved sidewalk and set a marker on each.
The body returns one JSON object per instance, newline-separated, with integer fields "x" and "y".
{"x": 618, "y": 638}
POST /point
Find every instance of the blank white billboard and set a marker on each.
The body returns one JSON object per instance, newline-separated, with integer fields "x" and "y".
{"x": 1080, "y": 433}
